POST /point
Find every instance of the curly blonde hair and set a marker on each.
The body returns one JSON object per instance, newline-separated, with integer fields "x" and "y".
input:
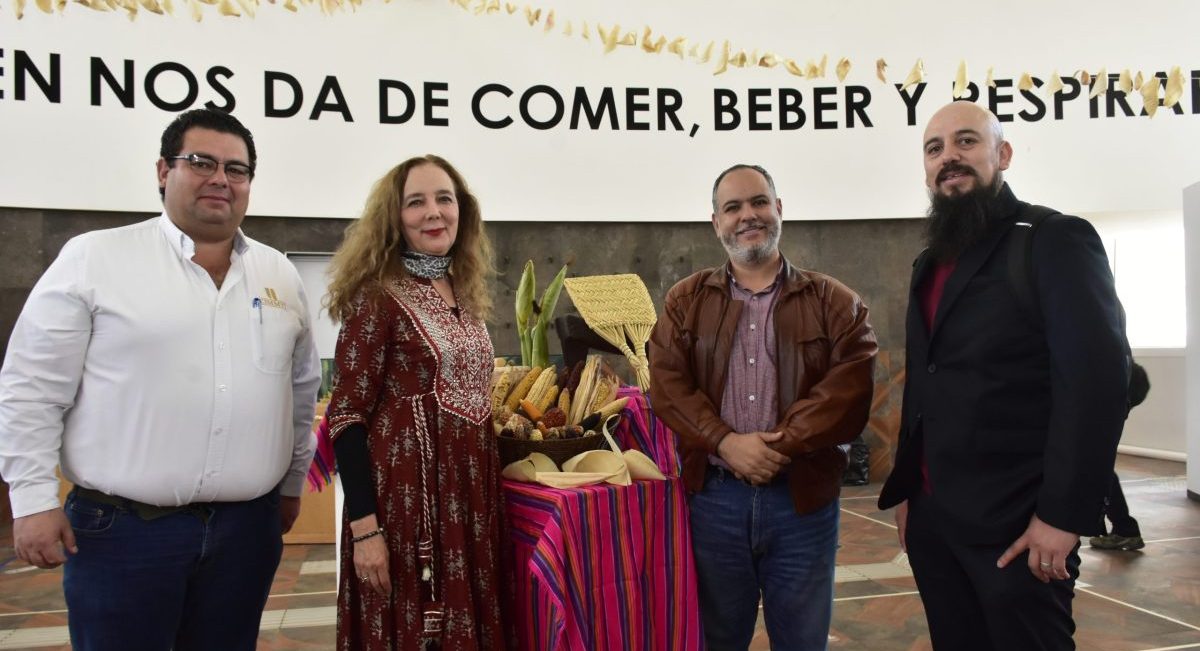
{"x": 373, "y": 247}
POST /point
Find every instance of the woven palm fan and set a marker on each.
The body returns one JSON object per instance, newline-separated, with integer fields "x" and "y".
{"x": 616, "y": 307}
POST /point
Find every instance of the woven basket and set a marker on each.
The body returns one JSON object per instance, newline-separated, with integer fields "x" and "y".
{"x": 615, "y": 307}
{"x": 559, "y": 450}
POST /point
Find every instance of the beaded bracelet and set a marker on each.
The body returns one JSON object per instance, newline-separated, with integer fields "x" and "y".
{"x": 369, "y": 534}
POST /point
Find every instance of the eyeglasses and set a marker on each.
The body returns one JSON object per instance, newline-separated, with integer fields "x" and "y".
{"x": 205, "y": 166}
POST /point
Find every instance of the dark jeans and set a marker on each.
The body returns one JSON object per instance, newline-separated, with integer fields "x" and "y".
{"x": 190, "y": 580}
{"x": 1117, "y": 510}
{"x": 971, "y": 605}
{"x": 749, "y": 542}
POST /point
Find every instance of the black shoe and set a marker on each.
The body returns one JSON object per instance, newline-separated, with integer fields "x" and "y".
{"x": 1120, "y": 543}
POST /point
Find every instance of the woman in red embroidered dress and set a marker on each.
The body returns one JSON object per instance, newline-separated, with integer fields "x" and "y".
{"x": 423, "y": 521}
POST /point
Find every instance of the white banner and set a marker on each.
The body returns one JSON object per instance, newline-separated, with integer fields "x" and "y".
{"x": 546, "y": 125}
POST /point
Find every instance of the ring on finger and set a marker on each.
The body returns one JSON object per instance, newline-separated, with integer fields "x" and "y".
{"x": 1045, "y": 565}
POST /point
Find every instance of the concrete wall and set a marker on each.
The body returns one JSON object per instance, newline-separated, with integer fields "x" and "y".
{"x": 1158, "y": 426}
{"x": 872, "y": 257}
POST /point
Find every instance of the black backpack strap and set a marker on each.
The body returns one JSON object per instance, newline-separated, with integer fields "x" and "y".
{"x": 1020, "y": 260}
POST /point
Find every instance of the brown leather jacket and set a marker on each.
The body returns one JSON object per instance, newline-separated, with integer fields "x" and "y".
{"x": 825, "y": 359}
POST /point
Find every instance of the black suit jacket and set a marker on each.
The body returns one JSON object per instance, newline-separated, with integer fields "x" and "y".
{"x": 1011, "y": 416}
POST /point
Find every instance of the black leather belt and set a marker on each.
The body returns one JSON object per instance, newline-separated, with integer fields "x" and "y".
{"x": 724, "y": 472}
{"x": 144, "y": 511}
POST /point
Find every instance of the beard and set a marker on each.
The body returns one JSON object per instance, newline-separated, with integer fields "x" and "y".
{"x": 752, "y": 254}
{"x": 956, "y": 222}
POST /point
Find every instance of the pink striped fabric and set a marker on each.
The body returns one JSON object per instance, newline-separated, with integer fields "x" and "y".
{"x": 607, "y": 567}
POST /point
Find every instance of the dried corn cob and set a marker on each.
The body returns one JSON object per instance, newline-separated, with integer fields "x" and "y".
{"x": 500, "y": 391}
{"x": 606, "y": 392}
{"x": 576, "y": 374}
{"x": 564, "y": 400}
{"x": 587, "y": 383}
{"x": 531, "y": 410}
{"x": 613, "y": 407}
{"x": 514, "y": 398}
{"x": 544, "y": 381}
{"x": 546, "y": 400}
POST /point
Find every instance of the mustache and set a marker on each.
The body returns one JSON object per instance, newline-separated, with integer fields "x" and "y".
{"x": 750, "y": 226}
{"x": 955, "y": 168}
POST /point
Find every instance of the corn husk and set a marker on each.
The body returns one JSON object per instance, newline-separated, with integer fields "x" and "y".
{"x": 1149, "y": 92}
{"x": 1125, "y": 82}
{"x": 915, "y": 76}
{"x": 960, "y": 80}
{"x": 1099, "y": 84}
{"x": 527, "y": 469}
{"x": 1174, "y": 87}
{"x": 842, "y": 69}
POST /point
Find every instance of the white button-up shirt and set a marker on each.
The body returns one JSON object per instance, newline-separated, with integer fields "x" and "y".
{"x": 131, "y": 370}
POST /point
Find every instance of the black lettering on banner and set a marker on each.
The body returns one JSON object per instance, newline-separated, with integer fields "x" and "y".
{"x": 758, "y": 105}
{"x": 432, "y": 102}
{"x": 669, "y": 102}
{"x": 1161, "y": 79}
{"x": 1039, "y": 111}
{"x": 606, "y": 105}
{"x": 189, "y": 98}
{"x": 410, "y": 102}
{"x": 477, "y": 108}
{"x": 559, "y": 108}
{"x": 971, "y": 94}
{"x": 1, "y": 72}
{"x": 725, "y": 113}
{"x": 1196, "y": 92}
{"x": 23, "y": 67}
{"x": 270, "y": 110}
{"x": 1115, "y": 98}
{"x": 858, "y": 98}
{"x": 910, "y": 101}
{"x": 633, "y": 107}
{"x": 791, "y": 116}
{"x": 323, "y": 104}
{"x": 122, "y": 89}
{"x": 999, "y": 94}
{"x": 820, "y": 106}
{"x": 1071, "y": 90}
{"x": 214, "y": 79}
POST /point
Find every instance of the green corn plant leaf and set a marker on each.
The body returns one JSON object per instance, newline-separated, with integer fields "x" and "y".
{"x": 540, "y": 346}
{"x": 550, "y": 297}
{"x": 524, "y": 302}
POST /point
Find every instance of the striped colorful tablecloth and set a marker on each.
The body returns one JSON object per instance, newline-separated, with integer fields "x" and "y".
{"x": 606, "y": 567}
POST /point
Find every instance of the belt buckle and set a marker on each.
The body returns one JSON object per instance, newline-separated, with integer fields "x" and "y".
{"x": 149, "y": 512}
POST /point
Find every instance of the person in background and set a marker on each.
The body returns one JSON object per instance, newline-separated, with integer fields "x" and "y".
{"x": 410, "y": 417}
{"x": 1125, "y": 535}
{"x": 169, "y": 368}
{"x": 765, "y": 371}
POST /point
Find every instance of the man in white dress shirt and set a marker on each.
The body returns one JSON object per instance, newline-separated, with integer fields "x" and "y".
{"x": 169, "y": 368}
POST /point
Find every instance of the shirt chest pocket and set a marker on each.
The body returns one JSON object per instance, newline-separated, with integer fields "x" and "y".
{"x": 273, "y": 332}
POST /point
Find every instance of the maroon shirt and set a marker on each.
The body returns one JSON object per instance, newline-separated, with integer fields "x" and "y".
{"x": 930, "y": 294}
{"x": 750, "y": 401}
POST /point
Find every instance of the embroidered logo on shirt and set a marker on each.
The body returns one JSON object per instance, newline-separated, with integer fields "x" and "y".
{"x": 272, "y": 299}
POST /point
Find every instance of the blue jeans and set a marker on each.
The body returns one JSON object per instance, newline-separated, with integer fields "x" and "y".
{"x": 190, "y": 580}
{"x": 750, "y": 542}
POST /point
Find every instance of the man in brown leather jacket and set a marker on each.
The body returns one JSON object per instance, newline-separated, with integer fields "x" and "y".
{"x": 764, "y": 371}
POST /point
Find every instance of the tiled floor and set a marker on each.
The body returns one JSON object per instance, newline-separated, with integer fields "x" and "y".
{"x": 1126, "y": 601}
